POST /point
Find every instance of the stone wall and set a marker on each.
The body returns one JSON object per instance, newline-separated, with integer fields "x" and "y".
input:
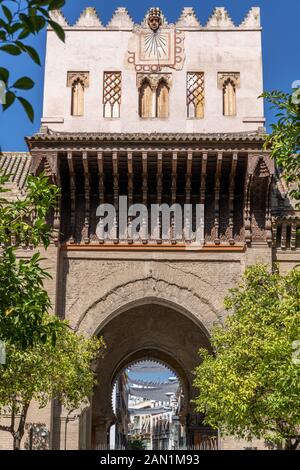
{"x": 218, "y": 47}
{"x": 98, "y": 285}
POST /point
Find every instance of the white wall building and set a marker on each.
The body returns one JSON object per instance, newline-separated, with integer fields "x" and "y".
{"x": 110, "y": 62}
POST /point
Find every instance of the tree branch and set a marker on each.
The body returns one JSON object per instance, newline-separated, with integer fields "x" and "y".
{"x": 21, "y": 428}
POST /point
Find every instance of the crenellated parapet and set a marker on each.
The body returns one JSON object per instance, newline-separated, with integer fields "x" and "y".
{"x": 121, "y": 20}
{"x": 188, "y": 19}
{"x": 89, "y": 19}
{"x": 220, "y": 19}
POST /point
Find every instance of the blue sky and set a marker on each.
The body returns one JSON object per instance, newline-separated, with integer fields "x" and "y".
{"x": 280, "y": 22}
{"x": 151, "y": 371}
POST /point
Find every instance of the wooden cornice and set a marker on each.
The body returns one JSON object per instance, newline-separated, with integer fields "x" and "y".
{"x": 89, "y": 138}
{"x": 152, "y": 247}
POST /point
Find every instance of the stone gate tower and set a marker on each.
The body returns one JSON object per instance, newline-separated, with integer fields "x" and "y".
{"x": 161, "y": 113}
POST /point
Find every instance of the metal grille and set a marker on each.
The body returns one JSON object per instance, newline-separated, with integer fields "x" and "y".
{"x": 112, "y": 92}
{"x": 195, "y": 94}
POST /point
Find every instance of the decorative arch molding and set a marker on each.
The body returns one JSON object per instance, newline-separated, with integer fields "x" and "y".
{"x": 156, "y": 355}
{"x": 149, "y": 291}
{"x": 78, "y": 82}
{"x": 75, "y": 77}
{"x": 154, "y": 79}
{"x": 154, "y": 90}
{"x": 225, "y": 77}
{"x": 160, "y": 356}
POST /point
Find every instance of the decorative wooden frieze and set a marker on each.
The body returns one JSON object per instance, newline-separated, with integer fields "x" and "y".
{"x": 188, "y": 189}
{"x": 247, "y": 198}
{"x": 268, "y": 211}
{"x": 130, "y": 177}
{"x": 101, "y": 177}
{"x": 231, "y": 197}
{"x": 203, "y": 178}
{"x": 130, "y": 193}
{"x": 57, "y": 208}
{"x": 72, "y": 196}
{"x": 87, "y": 196}
{"x": 101, "y": 193}
{"x": 217, "y": 197}
{"x": 144, "y": 232}
{"x": 173, "y": 195}
{"x": 283, "y": 236}
{"x": 188, "y": 178}
{"x": 159, "y": 180}
{"x": 293, "y": 235}
{"x": 116, "y": 196}
{"x": 174, "y": 177}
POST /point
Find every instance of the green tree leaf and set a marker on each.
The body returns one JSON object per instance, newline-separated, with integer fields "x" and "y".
{"x": 24, "y": 83}
{"x": 19, "y": 21}
{"x": 4, "y": 74}
{"x": 7, "y": 13}
{"x": 11, "y": 49}
{"x": 27, "y": 107}
{"x": 58, "y": 30}
{"x": 56, "y": 4}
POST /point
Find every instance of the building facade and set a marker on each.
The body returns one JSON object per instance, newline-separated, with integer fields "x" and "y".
{"x": 162, "y": 114}
{"x": 155, "y": 405}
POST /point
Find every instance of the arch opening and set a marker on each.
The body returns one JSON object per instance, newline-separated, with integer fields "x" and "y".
{"x": 148, "y": 405}
{"x": 156, "y": 332}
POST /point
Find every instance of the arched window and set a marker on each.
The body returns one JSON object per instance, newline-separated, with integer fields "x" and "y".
{"x": 78, "y": 82}
{"x": 229, "y": 98}
{"x": 195, "y": 95}
{"x": 77, "y": 98}
{"x": 146, "y": 100}
{"x": 229, "y": 82}
{"x": 112, "y": 94}
{"x": 162, "y": 100}
{"x": 154, "y": 90}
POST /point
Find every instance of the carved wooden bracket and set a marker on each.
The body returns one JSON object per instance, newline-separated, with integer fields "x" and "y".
{"x": 46, "y": 162}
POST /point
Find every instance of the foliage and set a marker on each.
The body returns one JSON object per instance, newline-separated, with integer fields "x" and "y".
{"x": 250, "y": 387}
{"x": 23, "y": 299}
{"x": 284, "y": 140}
{"x": 24, "y": 219}
{"x": 47, "y": 371}
{"x": 19, "y": 20}
{"x": 136, "y": 443}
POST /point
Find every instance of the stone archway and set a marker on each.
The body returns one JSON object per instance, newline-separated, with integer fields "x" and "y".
{"x": 198, "y": 305}
{"x": 153, "y": 329}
